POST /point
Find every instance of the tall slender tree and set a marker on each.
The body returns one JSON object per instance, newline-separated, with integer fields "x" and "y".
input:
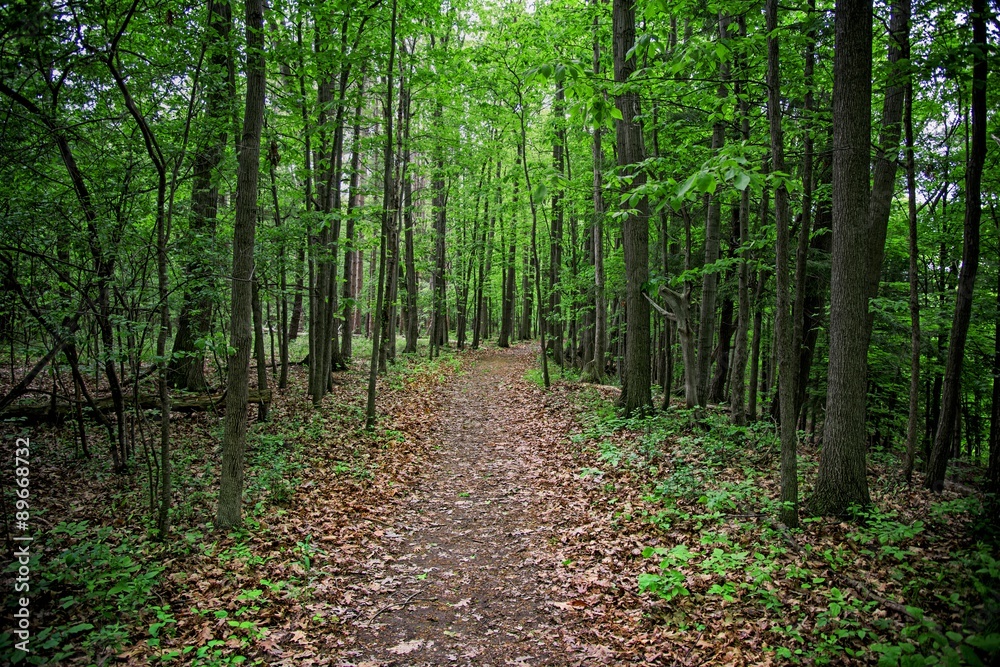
{"x": 234, "y": 436}
{"x": 951, "y": 390}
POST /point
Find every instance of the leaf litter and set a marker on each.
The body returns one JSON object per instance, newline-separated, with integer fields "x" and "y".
{"x": 477, "y": 527}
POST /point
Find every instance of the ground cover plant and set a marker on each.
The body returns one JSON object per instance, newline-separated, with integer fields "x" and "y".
{"x": 910, "y": 580}
{"x": 107, "y": 589}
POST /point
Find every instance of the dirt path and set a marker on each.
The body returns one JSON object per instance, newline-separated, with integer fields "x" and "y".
{"x": 460, "y": 578}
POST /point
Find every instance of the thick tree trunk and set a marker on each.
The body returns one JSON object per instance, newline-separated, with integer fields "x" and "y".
{"x": 235, "y": 424}
{"x": 842, "y": 480}
{"x": 636, "y": 394}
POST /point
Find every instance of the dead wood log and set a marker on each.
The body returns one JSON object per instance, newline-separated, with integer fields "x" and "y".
{"x": 39, "y": 413}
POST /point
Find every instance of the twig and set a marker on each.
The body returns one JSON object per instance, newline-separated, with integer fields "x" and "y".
{"x": 855, "y": 584}
{"x": 381, "y": 523}
{"x": 412, "y": 598}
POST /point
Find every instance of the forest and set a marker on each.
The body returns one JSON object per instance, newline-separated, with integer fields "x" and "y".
{"x": 435, "y": 332}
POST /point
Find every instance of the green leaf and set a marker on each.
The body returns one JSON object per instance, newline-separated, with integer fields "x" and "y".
{"x": 79, "y": 627}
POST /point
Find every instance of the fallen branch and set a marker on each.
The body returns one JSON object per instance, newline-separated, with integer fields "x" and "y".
{"x": 34, "y": 413}
{"x": 854, "y": 583}
{"x": 412, "y": 598}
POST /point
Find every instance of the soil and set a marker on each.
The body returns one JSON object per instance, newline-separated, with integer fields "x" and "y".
{"x": 462, "y": 571}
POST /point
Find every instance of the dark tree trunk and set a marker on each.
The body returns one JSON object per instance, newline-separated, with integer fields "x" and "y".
{"x": 412, "y": 316}
{"x": 951, "y": 391}
{"x": 237, "y": 390}
{"x": 187, "y": 364}
{"x": 713, "y": 223}
{"x": 258, "y": 351}
{"x": 817, "y": 281}
{"x": 993, "y": 470}
{"x": 842, "y": 480}
{"x": 351, "y": 256}
{"x": 480, "y": 326}
{"x": 737, "y": 393}
{"x": 914, "y": 277}
{"x": 783, "y": 324}
{"x": 388, "y": 218}
{"x": 635, "y": 228}
{"x": 438, "y": 334}
{"x": 554, "y": 319}
{"x": 507, "y": 307}
{"x": 600, "y": 344}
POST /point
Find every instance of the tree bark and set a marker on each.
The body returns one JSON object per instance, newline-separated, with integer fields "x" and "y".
{"x": 187, "y": 364}
{"x": 600, "y": 345}
{"x": 788, "y": 513}
{"x": 914, "y": 279}
{"x": 230, "y": 508}
{"x": 951, "y": 391}
{"x": 351, "y": 256}
{"x": 388, "y": 216}
{"x": 737, "y": 393}
{"x": 710, "y": 277}
{"x": 636, "y": 394}
{"x": 842, "y": 480}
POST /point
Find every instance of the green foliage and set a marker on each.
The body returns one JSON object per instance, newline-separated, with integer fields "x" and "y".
{"x": 95, "y": 571}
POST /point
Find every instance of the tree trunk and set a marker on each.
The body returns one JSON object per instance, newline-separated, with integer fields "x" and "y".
{"x": 507, "y": 307}
{"x": 480, "y": 326}
{"x": 635, "y": 228}
{"x": 842, "y": 480}
{"x": 351, "y": 256}
{"x": 258, "y": 351}
{"x": 914, "y": 279}
{"x": 710, "y": 278}
{"x": 235, "y": 424}
{"x": 600, "y": 344}
{"x": 439, "y": 204}
{"x": 737, "y": 393}
{"x": 993, "y": 470}
{"x": 787, "y": 357}
{"x": 680, "y": 307}
{"x": 388, "y": 216}
{"x": 412, "y": 316}
{"x": 951, "y": 391}
{"x": 554, "y": 319}
{"x": 187, "y": 364}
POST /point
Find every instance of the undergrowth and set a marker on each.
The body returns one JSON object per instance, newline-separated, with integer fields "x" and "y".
{"x": 710, "y": 490}
{"x": 98, "y": 582}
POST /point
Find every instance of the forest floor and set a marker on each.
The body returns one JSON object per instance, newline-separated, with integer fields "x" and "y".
{"x": 487, "y": 521}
